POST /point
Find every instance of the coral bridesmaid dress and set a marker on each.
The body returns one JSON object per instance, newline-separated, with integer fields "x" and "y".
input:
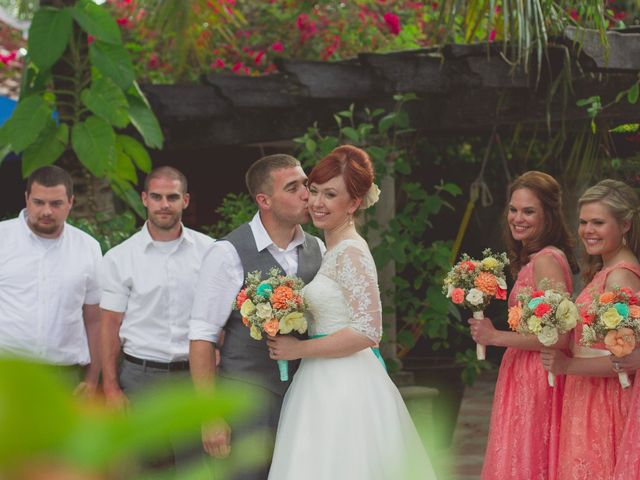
{"x": 594, "y": 408}
{"x": 525, "y": 418}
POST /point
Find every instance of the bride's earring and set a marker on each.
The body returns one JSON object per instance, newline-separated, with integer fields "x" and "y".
{"x": 624, "y": 241}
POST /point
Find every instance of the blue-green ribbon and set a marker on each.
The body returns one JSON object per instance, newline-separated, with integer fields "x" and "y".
{"x": 375, "y": 350}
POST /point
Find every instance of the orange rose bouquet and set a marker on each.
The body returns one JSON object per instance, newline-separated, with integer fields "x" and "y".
{"x": 544, "y": 313}
{"x": 474, "y": 283}
{"x": 613, "y": 318}
{"x": 272, "y": 305}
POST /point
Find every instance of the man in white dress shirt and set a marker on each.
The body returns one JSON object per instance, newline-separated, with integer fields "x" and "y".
{"x": 148, "y": 284}
{"x": 274, "y": 237}
{"x": 49, "y": 291}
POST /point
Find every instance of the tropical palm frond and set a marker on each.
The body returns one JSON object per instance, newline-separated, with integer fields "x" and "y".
{"x": 523, "y": 26}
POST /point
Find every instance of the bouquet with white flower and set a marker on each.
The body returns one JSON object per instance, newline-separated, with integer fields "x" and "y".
{"x": 474, "y": 283}
{"x": 546, "y": 314}
{"x": 272, "y": 305}
{"x": 613, "y": 318}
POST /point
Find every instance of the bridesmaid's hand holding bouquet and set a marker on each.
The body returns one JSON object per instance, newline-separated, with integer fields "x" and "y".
{"x": 613, "y": 318}
{"x": 474, "y": 283}
{"x": 547, "y": 314}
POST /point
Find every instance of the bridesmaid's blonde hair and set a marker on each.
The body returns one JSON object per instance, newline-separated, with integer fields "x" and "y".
{"x": 624, "y": 204}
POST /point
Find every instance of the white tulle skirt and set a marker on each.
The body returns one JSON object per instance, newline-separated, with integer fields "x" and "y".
{"x": 343, "y": 418}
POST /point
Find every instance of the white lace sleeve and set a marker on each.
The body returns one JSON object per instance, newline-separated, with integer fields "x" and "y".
{"x": 357, "y": 276}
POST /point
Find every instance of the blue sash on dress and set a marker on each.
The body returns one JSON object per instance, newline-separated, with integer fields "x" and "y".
{"x": 375, "y": 350}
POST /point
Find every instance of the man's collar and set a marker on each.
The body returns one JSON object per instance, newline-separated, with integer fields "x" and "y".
{"x": 29, "y": 232}
{"x": 263, "y": 240}
{"x": 147, "y": 239}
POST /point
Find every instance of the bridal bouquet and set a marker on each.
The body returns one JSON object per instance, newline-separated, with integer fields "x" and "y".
{"x": 613, "y": 318}
{"x": 272, "y": 305}
{"x": 545, "y": 314}
{"x": 474, "y": 283}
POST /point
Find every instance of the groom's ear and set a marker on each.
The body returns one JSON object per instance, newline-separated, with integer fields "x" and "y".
{"x": 263, "y": 201}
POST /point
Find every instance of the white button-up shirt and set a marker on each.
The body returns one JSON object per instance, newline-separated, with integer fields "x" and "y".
{"x": 43, "y": 287}
{"x": 222, "y": 277}
{"x": 153, "y": 286}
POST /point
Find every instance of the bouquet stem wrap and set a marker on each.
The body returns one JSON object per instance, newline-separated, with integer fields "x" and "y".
{"x": 551, "y": 378}
{"x": 481, "y": 350}
{"x": 624, "y": 379}
{"x": 283, "y": 368}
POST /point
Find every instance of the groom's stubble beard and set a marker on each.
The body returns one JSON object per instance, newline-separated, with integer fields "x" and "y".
{"x": 165, "y": 224}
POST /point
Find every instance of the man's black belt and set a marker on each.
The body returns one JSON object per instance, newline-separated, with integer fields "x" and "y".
{"x": 172, "y": 366}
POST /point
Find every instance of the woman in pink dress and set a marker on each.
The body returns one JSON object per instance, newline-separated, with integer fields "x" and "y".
{"x": 595, "y": 405}
{"x": 525, "y": 417}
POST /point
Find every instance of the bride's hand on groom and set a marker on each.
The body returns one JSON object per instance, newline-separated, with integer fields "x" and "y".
{"x": 216, "y": 439}
{"x": 283, "y": 347}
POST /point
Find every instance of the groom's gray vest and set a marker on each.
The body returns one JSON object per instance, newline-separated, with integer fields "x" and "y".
{"x": 242, "y": 357}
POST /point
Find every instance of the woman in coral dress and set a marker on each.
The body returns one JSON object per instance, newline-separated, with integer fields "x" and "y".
{"x": 595, "y": 406}
{"x": 525, "y": 416}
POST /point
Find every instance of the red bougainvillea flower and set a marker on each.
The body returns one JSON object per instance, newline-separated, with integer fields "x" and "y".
{"x": 122, "y": 21}
{"x": 574, "y": 14}
{"x": 277, "y": 47}
{"x": 393, "y": 22}
{"x": 90, "y": 39}
{"x": 219, "y": 63}
{"x": 153, "y": 61}
{"x": 492, "y": 36}
{"x": 236, "y": 67}
{"x": 10, "y": 57}
{"x": 258, "y": 57}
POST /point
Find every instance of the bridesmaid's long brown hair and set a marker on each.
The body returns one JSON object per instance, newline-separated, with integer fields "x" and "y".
{"x": 554, "y": 230}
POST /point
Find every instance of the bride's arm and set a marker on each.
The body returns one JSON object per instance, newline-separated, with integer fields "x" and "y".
{"x": 339, "y": 344}
{"x": 356, "y": 275}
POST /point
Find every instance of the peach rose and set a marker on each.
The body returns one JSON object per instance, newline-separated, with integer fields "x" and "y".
{"x": 280, "y": 297}
{"x": 620, "y": 342}
{"x": 271, "y": 327}
{"x": 457, "y": 296}
{"x": 515, "y": 314}
{"x": 634, "y": 311}
{"x": 607, "y": 297}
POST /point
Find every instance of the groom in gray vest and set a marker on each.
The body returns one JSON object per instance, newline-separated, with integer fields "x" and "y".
{"x": 273, "y": 238}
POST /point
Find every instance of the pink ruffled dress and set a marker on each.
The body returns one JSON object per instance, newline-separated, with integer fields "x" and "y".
{"x": 525, "y": 418}
{"x": 594, "y": 408}
{"x": 628, "y": 452}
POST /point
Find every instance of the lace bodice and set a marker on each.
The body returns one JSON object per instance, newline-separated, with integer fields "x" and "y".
{"x": 345, "y": 292}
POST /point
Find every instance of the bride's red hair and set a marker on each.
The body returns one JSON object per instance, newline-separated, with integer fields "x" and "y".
{"x": 352, "y": 163}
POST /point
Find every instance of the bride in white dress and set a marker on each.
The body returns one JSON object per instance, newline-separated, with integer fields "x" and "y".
{"x": 342, "y": 417}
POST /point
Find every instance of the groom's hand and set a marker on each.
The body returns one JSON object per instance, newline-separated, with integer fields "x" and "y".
{"x": 216, "y": 439}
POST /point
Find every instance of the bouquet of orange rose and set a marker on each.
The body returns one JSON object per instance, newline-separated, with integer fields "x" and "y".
{"x": 545, "y": 314}
{"x": 272, "y": 305}
{"x": 474, "y": 283}
{"x": 613, "y": 318}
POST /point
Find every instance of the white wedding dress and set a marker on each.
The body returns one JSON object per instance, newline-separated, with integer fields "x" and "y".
{"x": 343, "y": 418}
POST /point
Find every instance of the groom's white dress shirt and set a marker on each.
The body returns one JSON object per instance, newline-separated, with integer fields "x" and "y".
{"x": 222, "y": 277}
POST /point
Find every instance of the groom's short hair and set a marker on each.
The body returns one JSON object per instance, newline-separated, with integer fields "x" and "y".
{"x": 258, "y": 177}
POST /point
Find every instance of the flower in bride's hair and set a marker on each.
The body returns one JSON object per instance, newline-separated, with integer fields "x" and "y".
{"x": 371, "y": 197}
